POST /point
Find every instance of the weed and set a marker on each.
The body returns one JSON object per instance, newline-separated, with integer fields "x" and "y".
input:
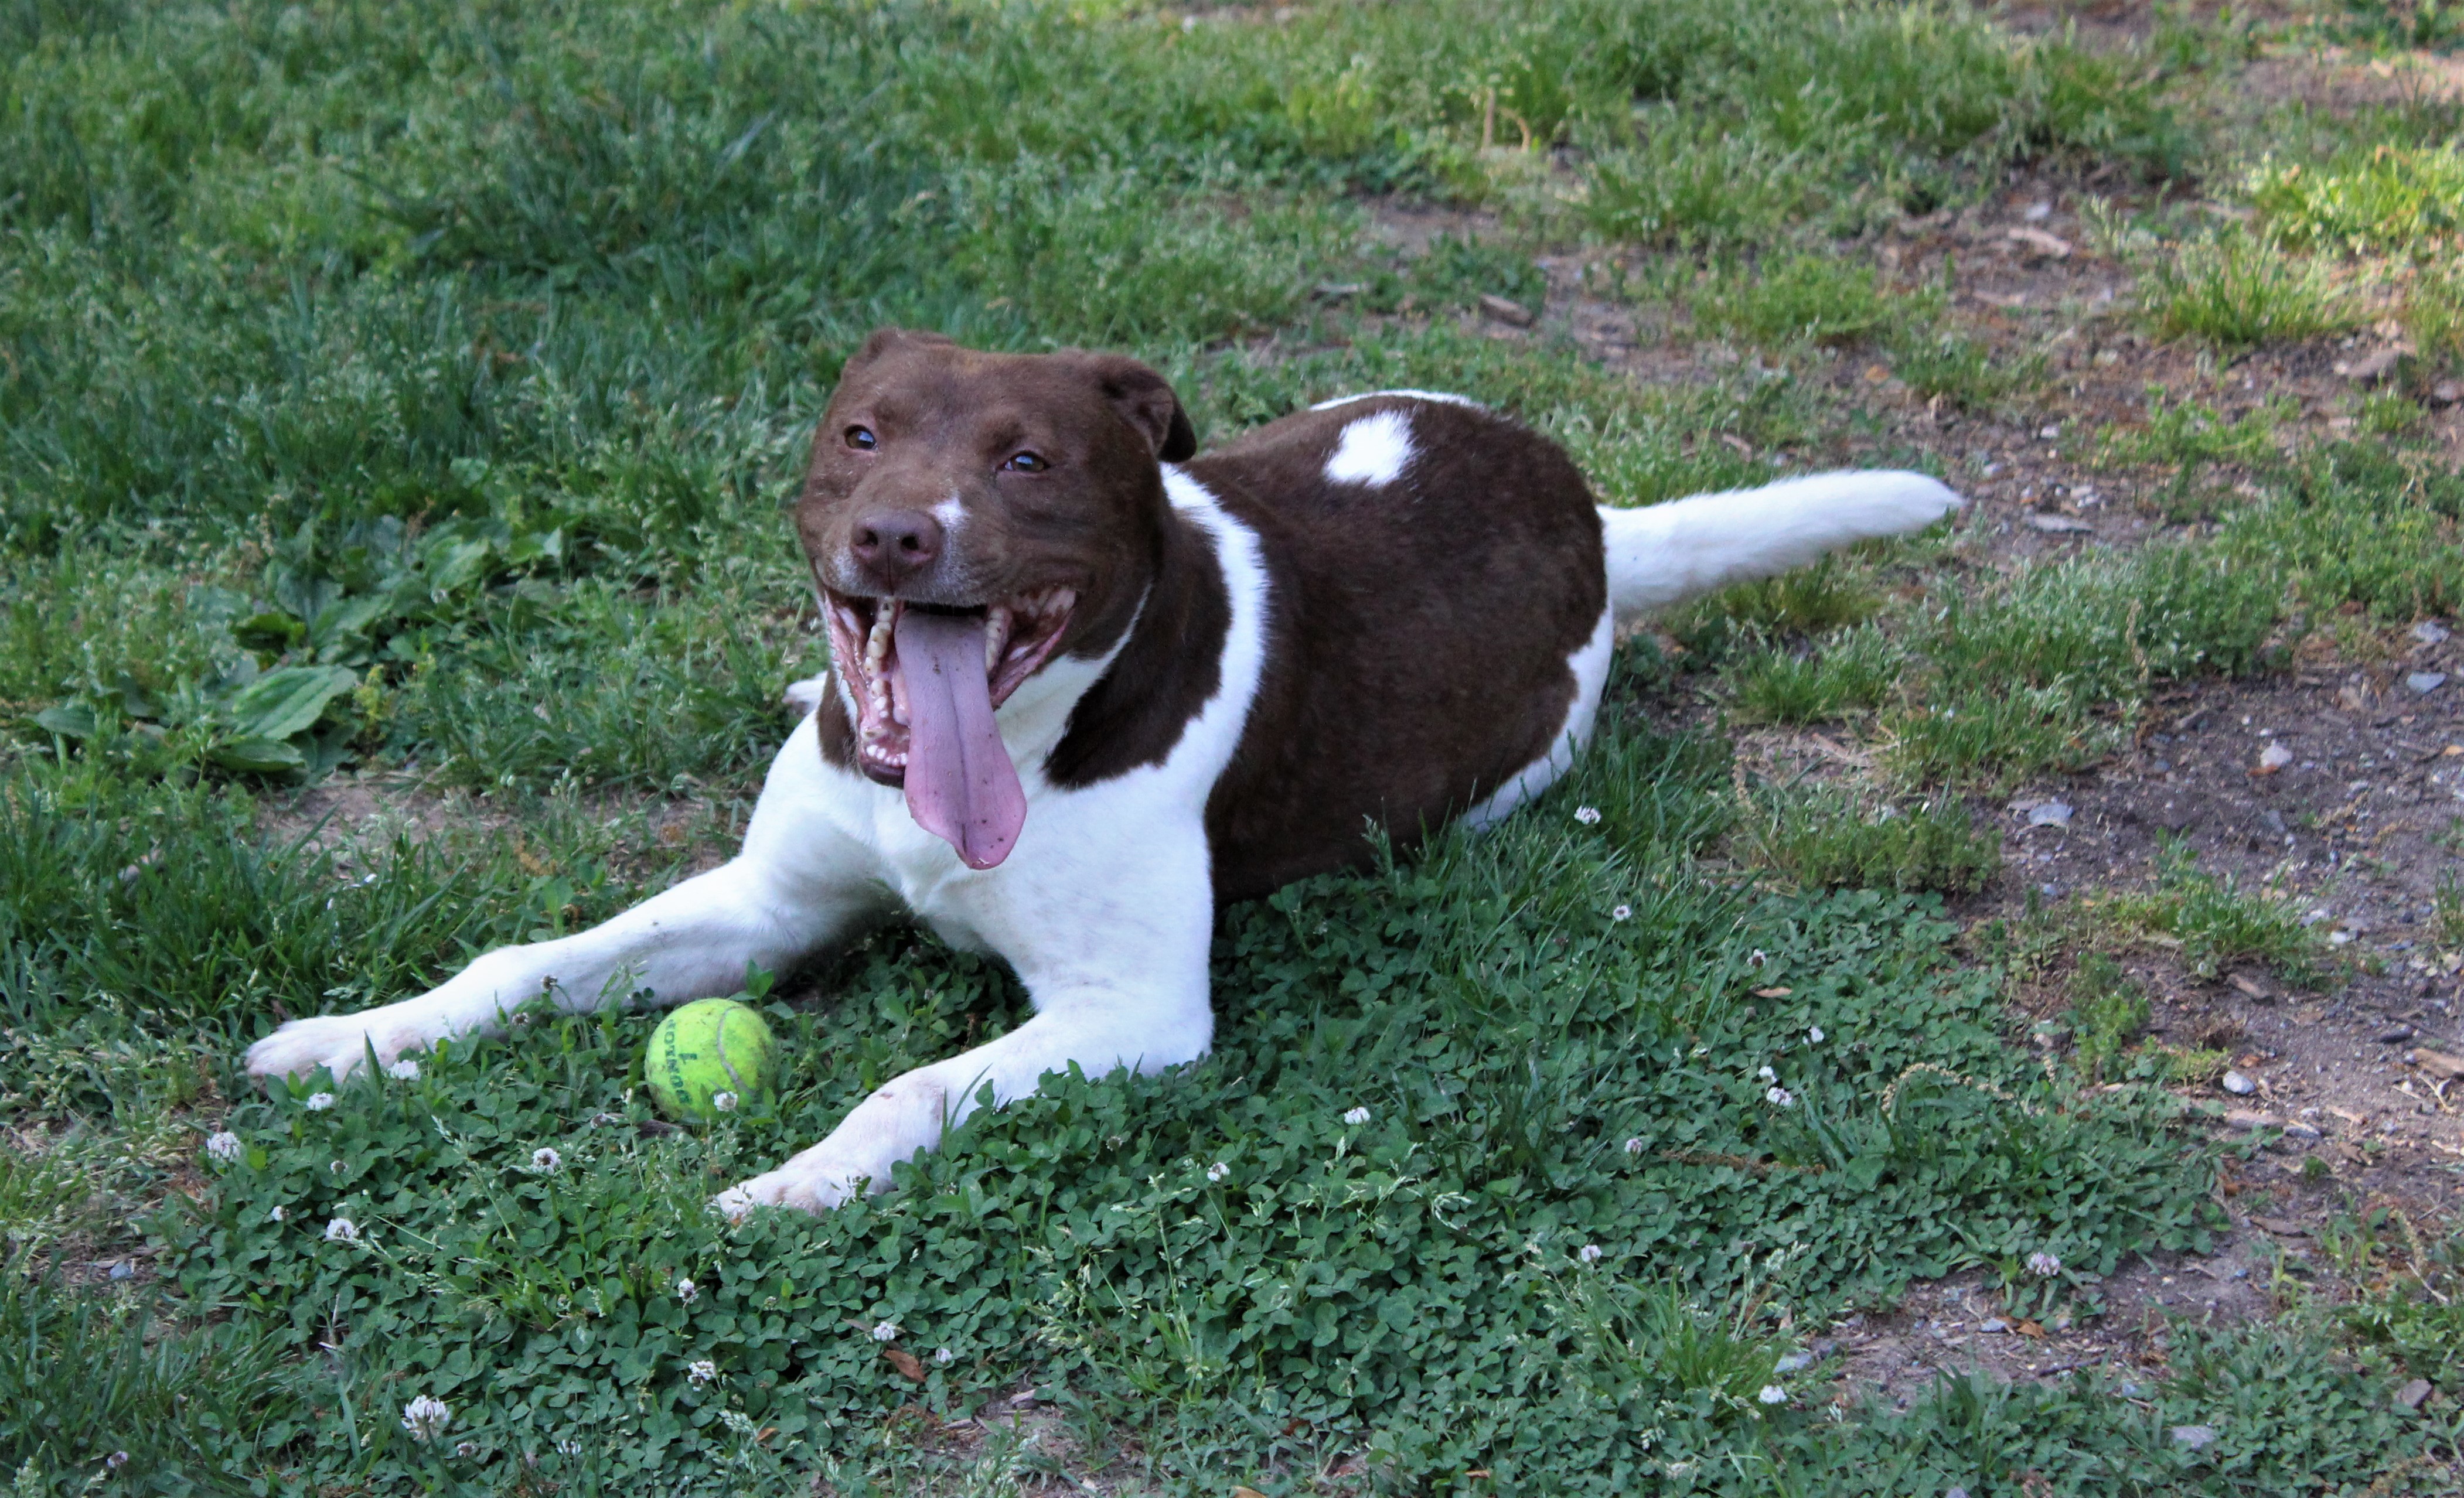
{"x": 2387, "y": 413}
{"x": 2108, "y": 1010}
{"x": 2238, "y": 290}
{"x": 2389, "y": 198}
{"x": 1853, "y": 670}
{"x": 2216, "y": 923}
{"x": 1830, "y": 837}
{"x": 2434, "y": 310}
{"x": 93, "y": 1385}
{"x": 1812, "y": 297}
{"x": 2395, "y": 25}
{"x": 1960, "y": 369}
{"x": 2042, "y": 672}
{"x": 2405, "y": 1290}
{"x": 2446, "y": 909}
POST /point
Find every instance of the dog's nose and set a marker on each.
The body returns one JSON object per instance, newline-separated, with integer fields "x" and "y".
{"x": 891, "y": 546}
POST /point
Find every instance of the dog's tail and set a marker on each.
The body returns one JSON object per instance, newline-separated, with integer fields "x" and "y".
{"x": 1664, "y": 554}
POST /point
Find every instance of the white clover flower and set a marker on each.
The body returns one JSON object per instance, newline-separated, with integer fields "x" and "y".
{"x": 426, "y": 1418}
{"x": 342, "y": 1230}
{"x": 277, "y": 1215}
{"x": 568, "y": 1448}
{"x": 1357, "y": 1115}
{"x": 1780, "y": 1097}
{"x": 1622, "y": 912}
{"x": 406, "y": 1070}
{"x": 1758, "y": 958}
{"x": 1588, "y": 816}
{"x": 2043, "y": 1265}
{"x": 1814, "y": 1036}
{"x": 547, "y": 1162}
{"x": 688, "y": 1291}
{"x": 724, "y": 1102}
{"x": 1772, "y": 1394}
{"x": 318, "y": 1102}
{"x": 222, "y": 1147}
{"x": 115, "y": 1461}
{"x": 701, "y": 1371}
{"x": 1218, "y": 1171}
{"x": 1768, "y": 1074}
{"x": 944, "y": 1356}
{"x": 1588, "y": 1253}
{"x": 464, "y": 1449}
{"x": 1633, "y": 1146}
{"x": 885, "y": 1330}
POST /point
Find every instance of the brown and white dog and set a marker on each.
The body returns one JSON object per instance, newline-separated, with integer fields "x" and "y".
{"x": 1087, "y": 687}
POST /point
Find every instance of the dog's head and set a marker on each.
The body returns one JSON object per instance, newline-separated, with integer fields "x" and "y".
{"x": 1002, "y": 508}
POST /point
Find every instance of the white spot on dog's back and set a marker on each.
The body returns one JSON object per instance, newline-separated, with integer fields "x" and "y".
{"x": 1443, "y": 397}
{"x": 1373, "y": 450}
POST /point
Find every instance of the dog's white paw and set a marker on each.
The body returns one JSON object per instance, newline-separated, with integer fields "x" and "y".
{"x": 803, "y": 696}
{"x": 813, "y": 1189}
{"x": 339, "y": 1043}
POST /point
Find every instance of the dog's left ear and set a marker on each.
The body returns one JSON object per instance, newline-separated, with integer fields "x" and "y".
{"x": 1145, "y": 400}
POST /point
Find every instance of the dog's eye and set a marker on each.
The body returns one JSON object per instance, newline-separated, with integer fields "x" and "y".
{"x": 1026, "y": 463}
{"x": 862, "y": 438}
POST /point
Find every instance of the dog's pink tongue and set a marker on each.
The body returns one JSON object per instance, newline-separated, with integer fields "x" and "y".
{"x": 961, "y": 786}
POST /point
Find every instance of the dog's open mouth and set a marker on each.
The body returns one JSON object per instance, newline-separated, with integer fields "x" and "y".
{"x": 927, "y": 680}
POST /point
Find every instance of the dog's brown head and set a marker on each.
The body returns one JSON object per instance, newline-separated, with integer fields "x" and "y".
{"x": 968, "y": 516}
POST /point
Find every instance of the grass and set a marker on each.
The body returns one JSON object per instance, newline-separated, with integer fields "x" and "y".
{"x": 400, "y": 400}
{"x": 2239, "y": 290}
{"x": 2108, "y": 1010}
{"x": 2215, "y": 924}
{"x": 1828, "y": 838}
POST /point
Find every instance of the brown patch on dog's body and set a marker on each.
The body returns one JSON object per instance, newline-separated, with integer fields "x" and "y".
{"x": 1417, "y": 632}
{"x": 1417, "y": 629}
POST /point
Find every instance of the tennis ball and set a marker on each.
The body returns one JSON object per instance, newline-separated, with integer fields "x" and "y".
{"x": 709, "y": 1057}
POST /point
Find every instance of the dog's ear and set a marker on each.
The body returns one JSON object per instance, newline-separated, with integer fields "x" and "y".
{"x": 883, "y": 340}
{"x": 1145, "y": 401}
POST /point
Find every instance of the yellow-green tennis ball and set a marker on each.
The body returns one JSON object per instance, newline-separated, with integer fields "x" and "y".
{"x": 711, "y": 1056}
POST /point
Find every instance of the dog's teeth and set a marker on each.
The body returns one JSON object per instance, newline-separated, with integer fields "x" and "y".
{"x": 996, "y": 635}
{"x": 876, "y": 644}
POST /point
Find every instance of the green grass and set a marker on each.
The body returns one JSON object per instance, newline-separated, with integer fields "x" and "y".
{"x": 2216, "y": 924}
{"x": 2390, "y": 197}
{"x": 2108, "y": 1010}
{"x": 2239, "y": 290}
{"x": 1826, "y": 838}
{"x": 401, "y": 399}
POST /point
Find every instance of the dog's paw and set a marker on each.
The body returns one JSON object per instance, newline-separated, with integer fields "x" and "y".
{"x": 806, "y": 1190}
{"x": 338, "y": 1043}
{"x": 803, "y": 696}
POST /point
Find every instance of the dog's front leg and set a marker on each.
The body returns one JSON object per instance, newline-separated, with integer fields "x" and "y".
{"x": 1097, "y": 1033}
{"x": 1116, "y": 966}
{"x": 799, "y": 883}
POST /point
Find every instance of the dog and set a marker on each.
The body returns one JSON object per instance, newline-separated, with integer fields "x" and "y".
{"x": 1087, "y": 686}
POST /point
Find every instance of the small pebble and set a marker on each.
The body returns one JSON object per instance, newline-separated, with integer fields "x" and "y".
{"x": 2397, "y": 1035}
{"x": 2301, "y": 1130}
{"x": 2049, "y": 814}
{"x": 1796, "y": 1362}
{"x": 2430, "y": 631}
{"x": 1994, "y": 1324}
{"x": 2426, "y": 682}
{"x": 123, "y": 1270}
{"x": 2194, "y": 1436}
{"x": 2274, "y": 757}
{"x": 2239, "y": 1085}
